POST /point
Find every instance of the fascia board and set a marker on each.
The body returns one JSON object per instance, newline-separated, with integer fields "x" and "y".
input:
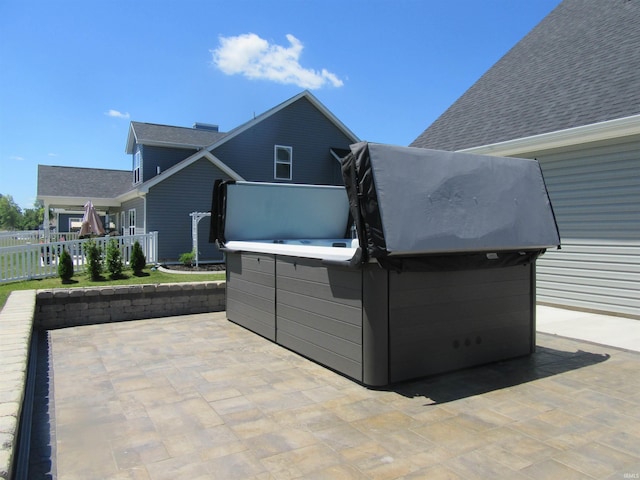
{"x": 160, "y": 143}
{"x": 620, "y": 127}
{"x": 327, "y": 113}
{"x": 53, "y": 200}
{"x": 131, "y": 139}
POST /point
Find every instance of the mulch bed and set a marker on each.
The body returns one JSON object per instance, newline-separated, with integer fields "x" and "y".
{"x": 203, "y": 267}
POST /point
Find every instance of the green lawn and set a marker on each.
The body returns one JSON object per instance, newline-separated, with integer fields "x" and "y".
{"x": 82, "y": 280}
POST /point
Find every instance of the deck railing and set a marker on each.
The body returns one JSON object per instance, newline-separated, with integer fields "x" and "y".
{"x": 40, "y": 260}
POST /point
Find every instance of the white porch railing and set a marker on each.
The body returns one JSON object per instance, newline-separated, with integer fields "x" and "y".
{"x": 24, "y": 237}
{"x": 40, "y": 260}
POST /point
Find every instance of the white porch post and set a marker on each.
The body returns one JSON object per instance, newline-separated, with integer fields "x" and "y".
{"x": 45, "y": 223}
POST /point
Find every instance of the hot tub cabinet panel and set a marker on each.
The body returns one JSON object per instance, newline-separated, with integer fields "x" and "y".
{"x": 251, "y": 292}
{"x": 443, "y": 321}
{"x": 378, "y": 326}
{"x": 319, "y": 313}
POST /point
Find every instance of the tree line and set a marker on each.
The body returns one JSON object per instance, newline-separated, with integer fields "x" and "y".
{"x": 12, "y": 217}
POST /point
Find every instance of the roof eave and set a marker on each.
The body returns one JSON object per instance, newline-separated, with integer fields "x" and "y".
{"x": 66, "y": 201}
{"x": 610, "y": 129}
{"x": 131, "y": 139}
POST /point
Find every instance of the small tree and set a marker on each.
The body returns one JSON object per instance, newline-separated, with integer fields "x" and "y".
{"x": 94, "y": 254}
{"x": 138, "y": 260}
{"x": 65, "y": 266}
{"x": 114, "y": 260}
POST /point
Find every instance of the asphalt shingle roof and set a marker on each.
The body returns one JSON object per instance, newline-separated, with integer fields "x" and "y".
{"x": 82, "y": 182}
{"x": 580, "y": 65}
{"x": 153, "y": 133}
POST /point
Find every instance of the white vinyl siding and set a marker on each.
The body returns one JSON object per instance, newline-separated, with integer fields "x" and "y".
{"x": 596, "y": 198}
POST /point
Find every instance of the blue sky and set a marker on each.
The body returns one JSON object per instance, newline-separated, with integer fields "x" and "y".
{"x": 73, "y": 74}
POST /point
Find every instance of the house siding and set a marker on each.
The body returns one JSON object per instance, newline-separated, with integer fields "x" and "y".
{"x": 301, "y": 126}
{"x": 595, "y": 191}
{"x": 169, "y": 204}
{"x": 163, "y": 157}
{"x": 138, "y": 205}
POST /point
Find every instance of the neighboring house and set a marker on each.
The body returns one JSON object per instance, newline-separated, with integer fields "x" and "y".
{"x": 174, "y": 169}
{"x": 568, "y": 94}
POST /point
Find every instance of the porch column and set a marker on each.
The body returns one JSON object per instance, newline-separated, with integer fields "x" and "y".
{"x": 45, "y": 223}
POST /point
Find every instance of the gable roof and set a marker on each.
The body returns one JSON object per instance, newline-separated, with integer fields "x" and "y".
{"x": 579, "y": 66}
{"x": 207, "y": 152}
{"x": 81, "y": 183}
{"x": 305, "y": 94}
{"x": 169, "y": 136}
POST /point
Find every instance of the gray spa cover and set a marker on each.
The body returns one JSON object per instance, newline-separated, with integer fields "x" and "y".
{"x": 414, "y": 201}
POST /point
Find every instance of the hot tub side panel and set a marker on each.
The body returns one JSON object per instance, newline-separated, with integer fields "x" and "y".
{"x": 444, "y": 321}
{"x": 251, "y": 292}
{"x": 319, "y": 313}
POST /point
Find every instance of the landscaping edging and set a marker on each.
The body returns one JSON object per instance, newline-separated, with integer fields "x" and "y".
{"x": 29, "y": 310}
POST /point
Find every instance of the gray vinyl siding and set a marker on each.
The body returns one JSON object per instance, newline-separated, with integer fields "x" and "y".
{"x": 153, "y": 157}
{"x": 169, "y": 204}
{"x": 300, "y": 126}
{"x": 443, "y": 321}
{"x": 595, "y": 193}
{"x": 319, "y": 313}
{"x": 138, "y": 205}
{"x": 251, "y": 292}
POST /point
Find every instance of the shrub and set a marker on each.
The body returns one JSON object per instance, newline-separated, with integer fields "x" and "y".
{"x": 114, "y": 259}
{"x": 65, "y": 266}
{"x": 187, "y": 259}
{"x": 138, "y": 260}
{"x": 94, "y": 259}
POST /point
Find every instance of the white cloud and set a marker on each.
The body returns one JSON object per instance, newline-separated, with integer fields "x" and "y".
{"x": 116, "y": 114}
{"x": 53, "y": 155}
{"x": 256, "y": 58}
{"x": 16, "y": 158}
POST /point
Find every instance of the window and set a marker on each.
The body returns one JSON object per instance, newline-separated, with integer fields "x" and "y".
{"x": 132, "y": 221}
{"x": 137, "y": 165}
{"x": 75, "y": 223}
{"x": 283, "y": 162}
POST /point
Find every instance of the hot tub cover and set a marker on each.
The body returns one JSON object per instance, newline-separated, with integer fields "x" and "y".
{"x": 411, "y": 202}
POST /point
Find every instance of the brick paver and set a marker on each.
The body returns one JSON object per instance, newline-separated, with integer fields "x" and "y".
{"x": 199, "y": 397}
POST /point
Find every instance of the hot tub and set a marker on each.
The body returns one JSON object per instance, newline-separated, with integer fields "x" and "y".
{"x": 440, "y": 277}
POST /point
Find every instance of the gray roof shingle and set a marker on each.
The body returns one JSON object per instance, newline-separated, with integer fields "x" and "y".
{"x": 86, "y": 183}
{"x": 156, "y": 134}
{"x": 580, "y": 65}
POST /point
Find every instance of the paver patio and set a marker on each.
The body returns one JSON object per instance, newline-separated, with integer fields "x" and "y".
{"x": 197, "y": 397}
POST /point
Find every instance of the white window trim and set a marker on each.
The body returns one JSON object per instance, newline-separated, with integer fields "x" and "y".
{"x": 137, "y": 170}
{"x": 131, "y": 214}
{"x": 276, "y": 162}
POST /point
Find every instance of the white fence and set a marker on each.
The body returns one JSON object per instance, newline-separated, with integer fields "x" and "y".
{"x": 24, "y": 237}
{"x": 40, "y": 260}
